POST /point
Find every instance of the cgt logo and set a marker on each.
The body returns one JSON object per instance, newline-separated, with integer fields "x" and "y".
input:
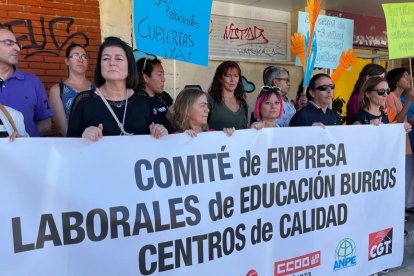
{"x": 297, "y": 264}
{"x": 345, "y": 254}
{"x": 252, "y": 272}
{"x": 380, "y": 243}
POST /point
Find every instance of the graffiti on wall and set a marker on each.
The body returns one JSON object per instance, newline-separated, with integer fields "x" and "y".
{"x": 235, "y": 37}
{"x": 46, "y": 41}
{"x": 251, "y": 34}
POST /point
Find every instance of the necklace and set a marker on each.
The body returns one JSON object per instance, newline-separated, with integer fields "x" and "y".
{"x": 119, "y": 103}
{"x": 120, "y": 125}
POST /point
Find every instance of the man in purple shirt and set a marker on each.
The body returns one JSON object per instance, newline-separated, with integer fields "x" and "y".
{"x": 21, "y": 90}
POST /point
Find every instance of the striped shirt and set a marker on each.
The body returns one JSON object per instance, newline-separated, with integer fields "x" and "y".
{"x": 3, "y": 131}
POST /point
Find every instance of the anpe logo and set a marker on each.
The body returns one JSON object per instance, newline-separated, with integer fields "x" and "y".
{"x": 289, "y": 266}
{"x": 345, "y": 254}
{"x": 380, "y": 243}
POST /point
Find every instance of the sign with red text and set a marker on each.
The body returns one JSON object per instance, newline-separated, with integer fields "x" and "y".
{"x": 257, "y": 203}
{"x": 244, "y": 38}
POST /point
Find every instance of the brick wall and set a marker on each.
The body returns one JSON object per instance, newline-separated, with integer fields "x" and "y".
{"x": 46, "y": 28}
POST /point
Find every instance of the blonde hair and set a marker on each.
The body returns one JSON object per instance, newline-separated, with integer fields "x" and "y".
{"x": 182, "y": 108}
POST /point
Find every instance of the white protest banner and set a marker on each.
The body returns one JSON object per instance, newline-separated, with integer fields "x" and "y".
{"x": 281, "y": 201}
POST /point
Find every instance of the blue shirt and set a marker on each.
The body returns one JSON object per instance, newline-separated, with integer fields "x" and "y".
{"x": 311, "y": 114}
{"x": 288, "y": 111}
{"x": 24, "y": 92}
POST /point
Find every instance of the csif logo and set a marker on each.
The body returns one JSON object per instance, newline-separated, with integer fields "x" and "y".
{"x": 296, "y": 264}
{"x": 380, "y": 243}
{"x": 345, "y": 254}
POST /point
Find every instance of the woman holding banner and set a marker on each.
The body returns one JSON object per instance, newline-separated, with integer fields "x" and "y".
{"x": 227, "y": 104}
{"x": 369, "y": 70}
{"x": 372, "y": 97}
{"x": 151, "y": 83}
{"x": 190, "y": 113}
{"x": 114, "y": 107}
{"x": 268, "y": 107}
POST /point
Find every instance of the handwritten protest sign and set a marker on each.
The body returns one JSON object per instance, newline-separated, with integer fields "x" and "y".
{"x": 333, "y": 35}
{"x": 261, "y": 201}
{"x": 243, "y": 38}
{"x": 400, "y": 33}
{"x": 173, "y": 29}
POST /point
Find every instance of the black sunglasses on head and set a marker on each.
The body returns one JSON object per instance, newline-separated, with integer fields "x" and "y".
{"x": 382, "y": 91}
{"x": 325, "y": 87}
{"x": 265, "y": 89}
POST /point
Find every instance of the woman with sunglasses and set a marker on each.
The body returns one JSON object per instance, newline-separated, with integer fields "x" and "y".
{"x": 317, "y": 112}
{"x": 114, "y": 107}
{"x": 369, "y": 70}
{"x": 227, "y": 104}
{"x": 372, "y": 99}
{"x": 268, "y": 107}
{"x": 61, "y": 95}
{"x": 151, "y": 83}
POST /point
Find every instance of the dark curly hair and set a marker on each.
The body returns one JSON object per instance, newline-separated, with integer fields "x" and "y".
{"x": 215, "y": 90}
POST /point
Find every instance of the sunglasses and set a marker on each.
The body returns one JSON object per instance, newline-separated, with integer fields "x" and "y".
{"x": 325, "y": 87}
{"x": 272, "y": 89}
{"x": 147, "y": 61}
{"x": 382, "y": 91}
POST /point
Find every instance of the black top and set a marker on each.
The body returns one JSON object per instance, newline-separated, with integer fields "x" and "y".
{"x": 3, "y": 132}
{"x": 88, "y": 109}
{"x": 159, "y": 105}
{"x": 364, "y": 117}
{"x": 311, "y": 114}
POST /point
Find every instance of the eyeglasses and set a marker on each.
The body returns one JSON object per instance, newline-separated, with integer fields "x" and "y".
{"x": 272, "y": 89}
{"x": 285, "y": 79}
{"x": 325, "y": 87}
{"x": 79, "y": 57}
{"x": 9, "y": 42}
{"x": 382, "y": 91}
